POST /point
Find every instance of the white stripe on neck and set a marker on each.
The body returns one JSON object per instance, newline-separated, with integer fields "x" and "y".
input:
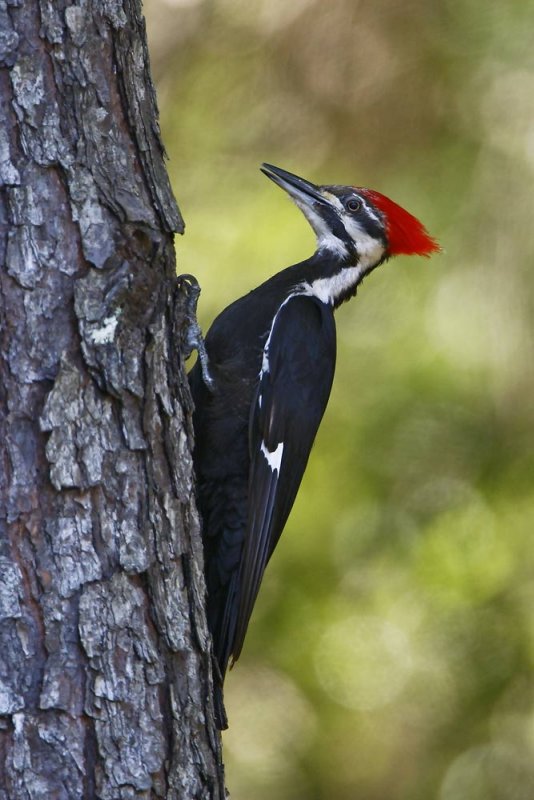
{"x": 329, "y": 290}
{"x": 370, "y": 252}
{"x": 327, "y": 241}
{"x": 325, "y": 238}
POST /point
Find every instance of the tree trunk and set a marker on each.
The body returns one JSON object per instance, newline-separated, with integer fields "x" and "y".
{"x": 104, "y": 652}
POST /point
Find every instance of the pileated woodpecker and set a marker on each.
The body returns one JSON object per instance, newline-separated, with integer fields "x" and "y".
{"x": 271, "y": 358}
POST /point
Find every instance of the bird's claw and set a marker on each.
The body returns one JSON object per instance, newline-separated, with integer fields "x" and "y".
{"x": 194, "y": 340}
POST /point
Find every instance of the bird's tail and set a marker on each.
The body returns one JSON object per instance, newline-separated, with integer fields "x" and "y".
{"x": 221, "y": 720}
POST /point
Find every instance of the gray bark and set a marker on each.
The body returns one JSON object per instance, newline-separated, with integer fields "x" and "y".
{"x": 104, "y": 651}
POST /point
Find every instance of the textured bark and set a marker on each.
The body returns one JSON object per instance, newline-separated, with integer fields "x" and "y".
{"x": 104, "y": 652}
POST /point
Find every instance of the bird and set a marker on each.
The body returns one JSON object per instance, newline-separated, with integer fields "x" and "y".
{"x": 259, "y": 399}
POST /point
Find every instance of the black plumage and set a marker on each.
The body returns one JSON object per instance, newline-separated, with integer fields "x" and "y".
{"x": 271, "y": 357}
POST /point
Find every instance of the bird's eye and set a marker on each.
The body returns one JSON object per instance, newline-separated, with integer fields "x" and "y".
{"x": 353, "y": 204}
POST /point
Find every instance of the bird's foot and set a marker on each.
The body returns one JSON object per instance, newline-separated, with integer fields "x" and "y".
{"x": 193, "y": 339}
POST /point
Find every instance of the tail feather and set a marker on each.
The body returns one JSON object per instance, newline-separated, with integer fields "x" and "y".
{"x": 221, "y": 720}
{"x": 223, "y": 509}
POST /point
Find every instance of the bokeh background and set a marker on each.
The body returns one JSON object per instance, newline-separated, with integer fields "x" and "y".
{"x": 391, "y": 653}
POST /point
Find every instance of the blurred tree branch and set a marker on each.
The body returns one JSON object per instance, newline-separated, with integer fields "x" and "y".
{"x": 104, "y": 662}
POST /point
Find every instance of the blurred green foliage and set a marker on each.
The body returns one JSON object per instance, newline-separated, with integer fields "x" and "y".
{"x": 391, "y": 653}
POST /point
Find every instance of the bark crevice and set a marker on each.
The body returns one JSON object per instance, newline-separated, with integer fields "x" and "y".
{"x": 104, "y": 650}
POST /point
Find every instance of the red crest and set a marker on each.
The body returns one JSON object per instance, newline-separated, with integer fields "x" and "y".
{"x": 406, "y": 235}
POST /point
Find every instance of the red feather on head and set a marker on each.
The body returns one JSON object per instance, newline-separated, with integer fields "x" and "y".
{"x": 406, "y": 235}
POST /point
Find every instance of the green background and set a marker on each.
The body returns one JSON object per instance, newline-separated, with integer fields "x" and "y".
{"x": 390, "y": 655}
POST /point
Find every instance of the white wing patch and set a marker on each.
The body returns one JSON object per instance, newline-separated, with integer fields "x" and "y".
{"x": 274, "y": 458}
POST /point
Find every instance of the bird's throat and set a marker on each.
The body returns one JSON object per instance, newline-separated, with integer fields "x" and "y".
{"x": 334, "y": 289}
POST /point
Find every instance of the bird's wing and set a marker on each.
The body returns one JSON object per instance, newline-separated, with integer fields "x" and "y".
{"x": 293, "y": 390}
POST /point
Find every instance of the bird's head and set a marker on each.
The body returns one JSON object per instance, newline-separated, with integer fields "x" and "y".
{"x": 358, "y": 224}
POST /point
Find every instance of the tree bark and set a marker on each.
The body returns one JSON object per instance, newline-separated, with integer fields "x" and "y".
{"x": 105, "y": 684}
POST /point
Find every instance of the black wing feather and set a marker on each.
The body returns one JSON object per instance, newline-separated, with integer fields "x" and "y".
{"x": 290, "y": 402}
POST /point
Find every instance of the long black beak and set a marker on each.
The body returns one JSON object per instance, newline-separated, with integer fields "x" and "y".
{"x": 298, "y": 188}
